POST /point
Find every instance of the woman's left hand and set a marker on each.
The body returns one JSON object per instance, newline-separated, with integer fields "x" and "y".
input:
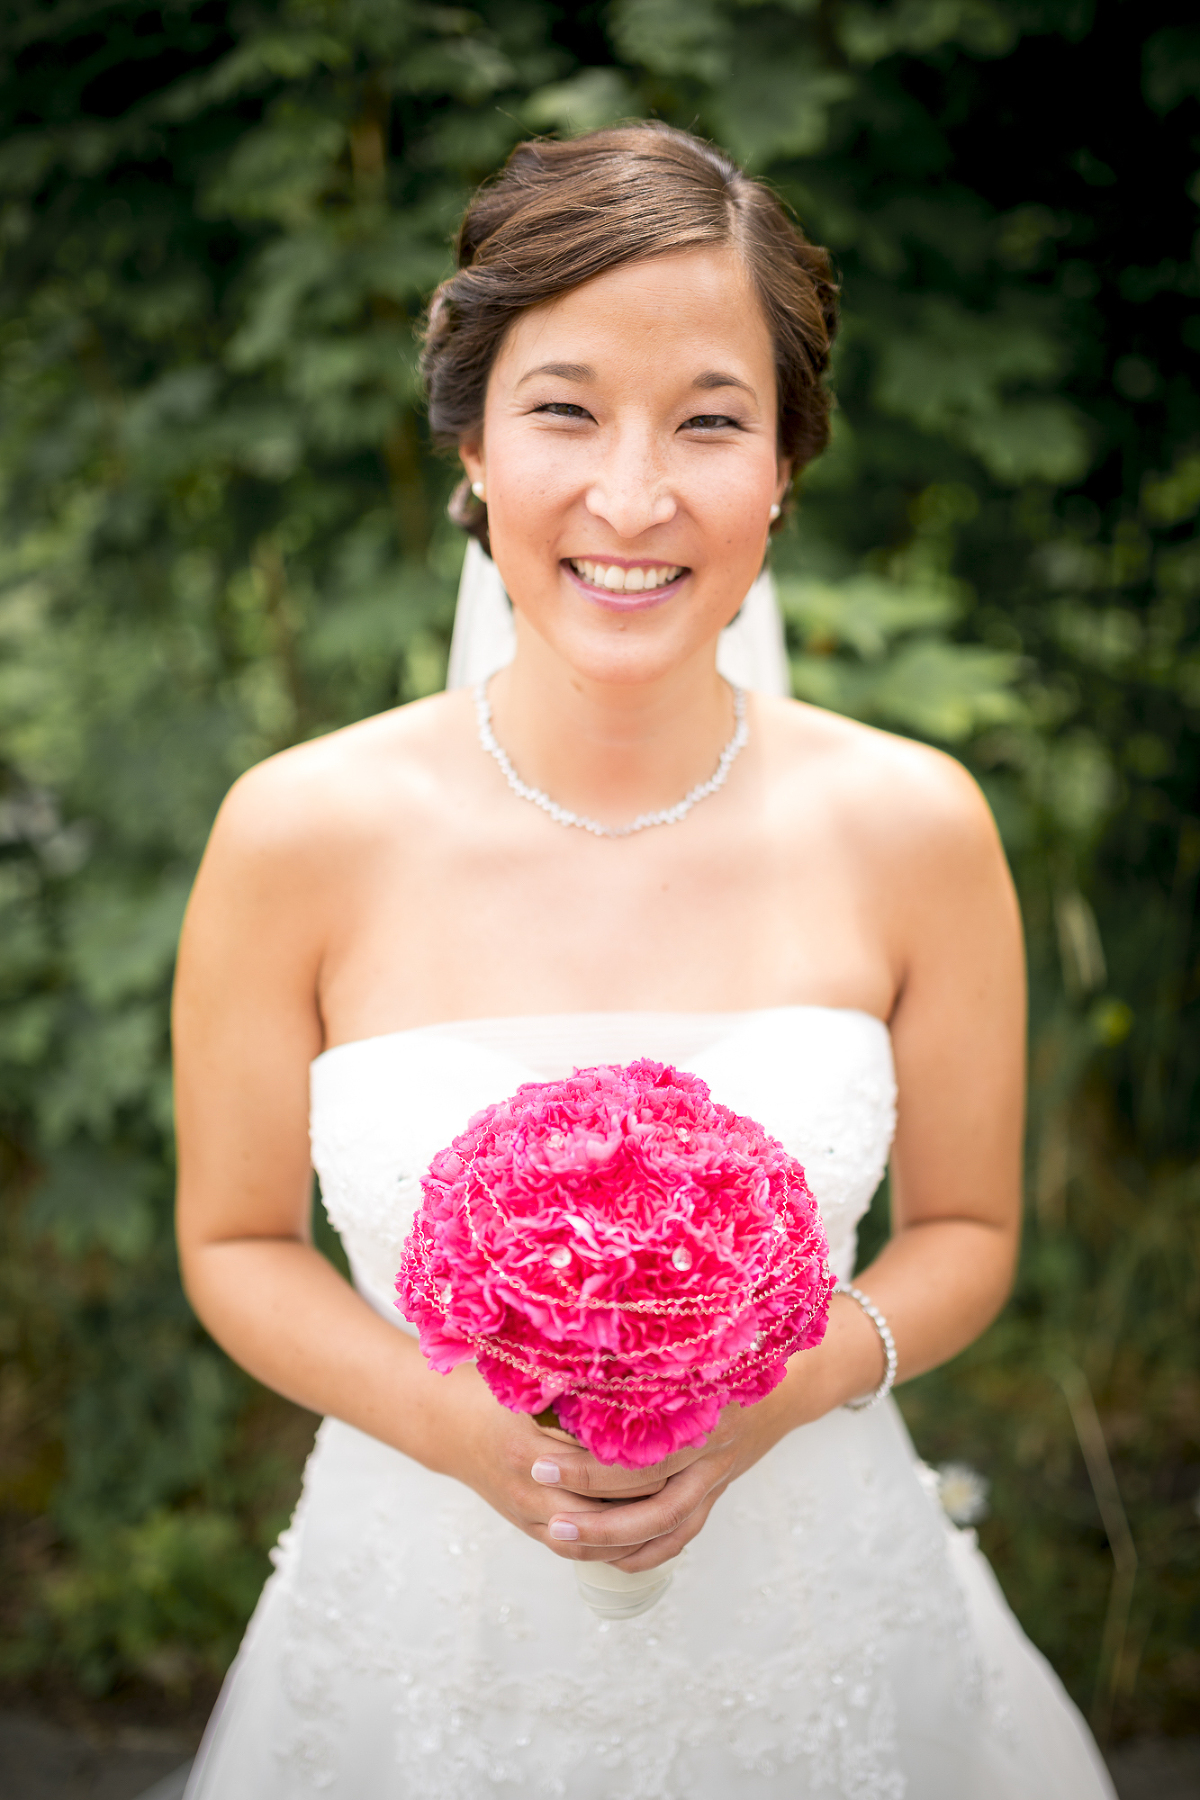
{"x": 641, "y": 1533}
{"x": 654, "y": 1512}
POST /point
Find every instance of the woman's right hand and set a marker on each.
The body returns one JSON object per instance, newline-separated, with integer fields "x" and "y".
{"x": 495, "y": 1452}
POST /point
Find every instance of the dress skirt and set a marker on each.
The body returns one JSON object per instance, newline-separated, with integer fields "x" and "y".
{"x": 829, "y": 1633}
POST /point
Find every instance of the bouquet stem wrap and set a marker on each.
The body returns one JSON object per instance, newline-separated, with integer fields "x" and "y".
{"x": 614, "y": 1593}
{"x": 624, "y": 1249}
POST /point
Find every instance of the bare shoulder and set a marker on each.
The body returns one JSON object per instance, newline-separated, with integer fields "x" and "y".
{"x": 905, "y": 799}
{"x": 924, "y": 857}
{"x": 320, "y": 796}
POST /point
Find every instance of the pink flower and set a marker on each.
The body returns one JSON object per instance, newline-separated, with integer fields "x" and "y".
{"x": 621, "y": 1247}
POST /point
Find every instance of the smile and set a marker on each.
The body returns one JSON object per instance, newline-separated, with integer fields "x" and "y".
{"x": 620, "y": 580}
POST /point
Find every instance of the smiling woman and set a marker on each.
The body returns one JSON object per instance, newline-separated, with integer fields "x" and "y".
{"x": 576, "y": 373}
{"x": 529, "y": 238}
{"x": 655, "y": 515}
{"x": 383, "y": 941}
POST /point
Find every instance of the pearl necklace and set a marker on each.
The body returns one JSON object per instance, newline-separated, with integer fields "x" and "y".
{"x": 669, "y": 815}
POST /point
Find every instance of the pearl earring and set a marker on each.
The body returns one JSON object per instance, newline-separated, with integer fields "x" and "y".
{"x": 477, "y": 489}
{"x": 775, "y": 511}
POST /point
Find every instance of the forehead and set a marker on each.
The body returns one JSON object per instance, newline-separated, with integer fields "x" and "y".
{"x": 653, "y": 319}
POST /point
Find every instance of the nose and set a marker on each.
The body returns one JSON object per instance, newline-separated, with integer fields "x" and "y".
{"x": 630, "y": 490}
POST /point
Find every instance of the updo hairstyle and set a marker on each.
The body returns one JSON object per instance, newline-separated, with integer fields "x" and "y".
{"x": 559, "y": 214}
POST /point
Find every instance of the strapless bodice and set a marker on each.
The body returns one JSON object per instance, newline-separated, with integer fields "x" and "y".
{"x": 820, "y": 1079}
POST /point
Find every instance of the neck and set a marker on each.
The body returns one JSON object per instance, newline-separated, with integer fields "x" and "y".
{"x": 610, "y": 749}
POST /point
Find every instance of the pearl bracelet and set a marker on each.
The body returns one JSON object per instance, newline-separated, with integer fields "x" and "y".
{"x": 889, "y": 1344}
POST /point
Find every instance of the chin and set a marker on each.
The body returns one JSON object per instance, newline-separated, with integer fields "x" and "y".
{"x": 630, "y": 657}
{"x": 637, "y": 648}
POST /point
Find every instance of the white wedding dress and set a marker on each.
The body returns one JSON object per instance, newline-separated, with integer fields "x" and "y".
{"x": 829, "y": 1633}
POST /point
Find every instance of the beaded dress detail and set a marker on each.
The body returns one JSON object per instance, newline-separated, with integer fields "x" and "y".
{"x": 828, "y": 1634}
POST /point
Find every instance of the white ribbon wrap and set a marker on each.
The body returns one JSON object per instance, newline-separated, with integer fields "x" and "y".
{"x": 616, "y": 1594}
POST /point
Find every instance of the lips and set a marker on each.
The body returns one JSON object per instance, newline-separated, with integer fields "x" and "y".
{"x": 624, "y": 587}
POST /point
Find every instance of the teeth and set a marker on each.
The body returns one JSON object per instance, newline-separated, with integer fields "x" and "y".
{"x": 625, "y": 581}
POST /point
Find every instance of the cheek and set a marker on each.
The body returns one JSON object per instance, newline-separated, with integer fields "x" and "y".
{"x": 526, "y": 505}
{"x": 727, "y": 476}
{"x": 729, "y": 501}
{"x": 527, "y": 479}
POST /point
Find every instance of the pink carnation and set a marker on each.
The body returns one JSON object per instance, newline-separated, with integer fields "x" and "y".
{"x": 621, "y": 1247}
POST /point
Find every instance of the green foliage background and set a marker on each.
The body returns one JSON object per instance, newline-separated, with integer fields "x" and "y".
{"x": 222, "y": 530}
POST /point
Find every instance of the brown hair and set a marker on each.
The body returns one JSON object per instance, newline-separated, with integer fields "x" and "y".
{"x": 559, "y": 214}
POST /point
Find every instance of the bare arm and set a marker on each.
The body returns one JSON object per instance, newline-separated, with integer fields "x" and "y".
{"x": 958, "y": 1037}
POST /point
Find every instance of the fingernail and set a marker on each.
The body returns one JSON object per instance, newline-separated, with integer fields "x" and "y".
{"x": 563, "y": 1529}
{"x": 546, "y": 1471}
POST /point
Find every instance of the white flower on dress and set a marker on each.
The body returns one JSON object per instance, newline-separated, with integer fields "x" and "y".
{"x": 963, "y": 1492}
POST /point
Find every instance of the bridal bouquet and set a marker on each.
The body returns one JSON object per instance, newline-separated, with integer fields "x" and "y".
{"x": 621, "y": 1249}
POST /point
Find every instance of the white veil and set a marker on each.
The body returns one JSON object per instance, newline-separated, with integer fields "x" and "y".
{"x": 751, "y": 652}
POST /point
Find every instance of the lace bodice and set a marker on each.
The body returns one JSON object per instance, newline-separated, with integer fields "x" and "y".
{"x": 820, "y": 1079}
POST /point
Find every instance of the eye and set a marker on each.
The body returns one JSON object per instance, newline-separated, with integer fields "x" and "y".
{"x": 711, "y": 422}
{"x": 563, "y": 409}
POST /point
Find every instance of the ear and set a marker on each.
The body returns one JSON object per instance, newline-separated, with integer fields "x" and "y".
{"x": 470, "y": 454}
{"x": 783, "y": 476}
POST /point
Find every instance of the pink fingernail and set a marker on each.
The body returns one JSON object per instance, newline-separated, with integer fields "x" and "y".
{"x": 546, "y": 1471}
{"x": 563, "y": 1529}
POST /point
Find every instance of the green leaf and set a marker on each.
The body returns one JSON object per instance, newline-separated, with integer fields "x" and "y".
{"x": 865, "y": 613}
{"x": 1172, "y": 67}
{"x": 590, "y": 99}
{"x": 776, "y": 101}
{"x": 280, "y": 171}
{"x": 121, "y": 942}
{"x": 91, "y": 1199}
{"x": 1169, "y": 499}
{"x": 945, "y": 691}
{"x": 674, "y": 37}
{"x": 1029, "y": 440}
{"x": 869, "y": 33}
{"x": 951, "y": 371}
{"x": 109, "y": 1065}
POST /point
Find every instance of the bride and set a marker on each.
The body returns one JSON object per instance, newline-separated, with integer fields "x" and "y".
{"x": 609, "y": 852}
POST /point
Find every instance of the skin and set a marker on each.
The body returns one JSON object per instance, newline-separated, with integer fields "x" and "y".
{"x": 383, "y": 878}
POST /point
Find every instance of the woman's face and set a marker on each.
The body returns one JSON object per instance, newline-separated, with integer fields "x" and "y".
{"x": 629, "y": 461}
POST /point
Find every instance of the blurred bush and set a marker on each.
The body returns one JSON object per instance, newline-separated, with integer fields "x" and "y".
{"x": 223, "y": 531}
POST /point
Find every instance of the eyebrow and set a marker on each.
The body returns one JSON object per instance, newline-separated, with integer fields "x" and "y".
{"x": 564, "y": 372}
{"x": 717, "y": 378}
{"x": 568, "y": 371}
